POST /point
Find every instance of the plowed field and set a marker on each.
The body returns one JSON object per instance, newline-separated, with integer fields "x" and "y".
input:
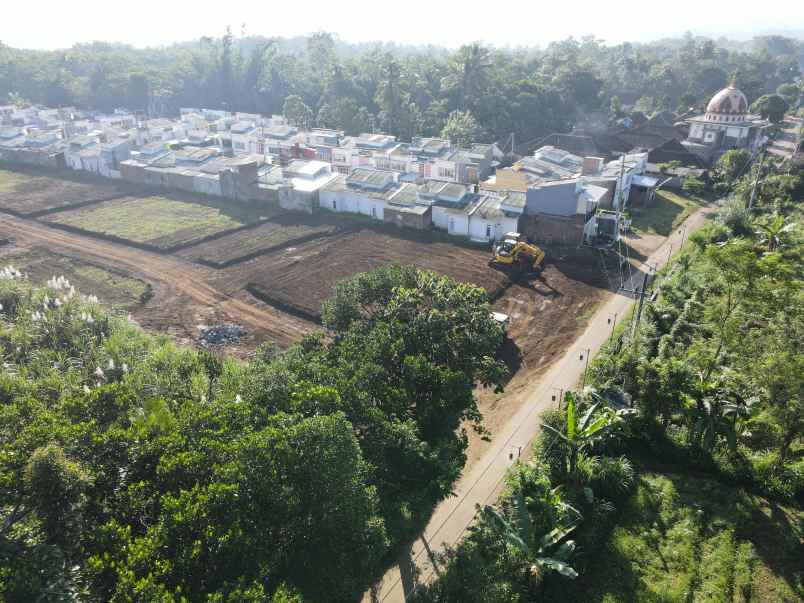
{"x": 249, "y": 243}
{"x": 298, "y": 278}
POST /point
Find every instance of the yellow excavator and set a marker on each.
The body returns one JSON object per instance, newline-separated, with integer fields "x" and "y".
{"x": 515, "y": 252}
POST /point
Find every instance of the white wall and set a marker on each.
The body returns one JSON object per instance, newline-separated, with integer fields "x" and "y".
{"x": 452, "y": 222}
{"x": 352, "y": 202}
{"x": 499, "y": 226}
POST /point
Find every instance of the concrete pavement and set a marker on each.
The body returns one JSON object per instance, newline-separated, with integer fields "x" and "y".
{"x": 483, "y": 483}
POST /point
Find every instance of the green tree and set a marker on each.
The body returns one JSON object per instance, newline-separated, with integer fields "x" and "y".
{"x": 694, "y": 186}
{"x": 461, "y": 129}
{"x": 468, "y": 74}
{"x": 771, "y": 106}
{"x": 296, "y": 111}
{"x": 138, "y": 92}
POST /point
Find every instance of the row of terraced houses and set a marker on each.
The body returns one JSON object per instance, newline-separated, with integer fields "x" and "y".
{"x": 424, "y": 183}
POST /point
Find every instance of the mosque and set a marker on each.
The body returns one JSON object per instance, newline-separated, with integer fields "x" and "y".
{"x": 726, "y": 125}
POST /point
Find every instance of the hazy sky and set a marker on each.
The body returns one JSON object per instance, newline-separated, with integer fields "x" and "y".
{"x": 59, "y": 23}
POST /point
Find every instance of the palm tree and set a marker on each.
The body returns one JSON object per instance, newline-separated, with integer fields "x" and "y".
{"x": 469, "y": 68}
{"x": 550, "y": 552}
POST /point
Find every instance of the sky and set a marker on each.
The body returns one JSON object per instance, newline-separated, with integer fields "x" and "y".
{"x": 50, "y": 24}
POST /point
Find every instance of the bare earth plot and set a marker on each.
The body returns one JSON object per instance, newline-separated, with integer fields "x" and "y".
{"x": 158, "y": 222}
{"x": 270, "y": 235}
{"x": 112, "y": 287}
{"x": 183, "y": 297}
{"x": 28, "y": 194}
{"x": 298, "y": 278}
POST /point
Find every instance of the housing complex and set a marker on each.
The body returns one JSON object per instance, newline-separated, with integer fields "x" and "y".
{"x": 425, "y": 183}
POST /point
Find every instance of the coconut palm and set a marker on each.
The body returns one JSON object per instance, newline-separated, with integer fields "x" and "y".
{"x": 469, "y": 68}
{"x": 542, "y": 553}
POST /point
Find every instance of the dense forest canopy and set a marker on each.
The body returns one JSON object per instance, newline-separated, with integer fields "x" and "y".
{"x": 404, "y": 91}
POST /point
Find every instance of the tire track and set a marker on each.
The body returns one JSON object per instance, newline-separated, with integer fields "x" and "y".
{"x": 172, "y": 278}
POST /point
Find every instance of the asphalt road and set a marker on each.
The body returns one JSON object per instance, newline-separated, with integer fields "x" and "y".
{"x": 483, "y": 483}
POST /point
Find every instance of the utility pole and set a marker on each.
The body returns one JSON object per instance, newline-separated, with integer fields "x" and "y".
{"x": 642, "y": 293}
{"x": 585, "y": 368}
{"x": 613, "y": 323}
{"x": 756, "y": 181}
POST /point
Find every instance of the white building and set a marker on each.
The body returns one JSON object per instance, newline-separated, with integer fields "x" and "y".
{"x": 725, "y": 125}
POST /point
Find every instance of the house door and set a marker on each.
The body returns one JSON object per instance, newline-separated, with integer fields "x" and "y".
{"x": 488, "y": 231}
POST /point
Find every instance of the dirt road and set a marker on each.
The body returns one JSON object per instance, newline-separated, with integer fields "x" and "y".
{"x": 183, "y": 299}
{"x": 482, "y": 483}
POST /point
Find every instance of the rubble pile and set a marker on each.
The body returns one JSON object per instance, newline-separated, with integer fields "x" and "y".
{"x": 221, "y": 334}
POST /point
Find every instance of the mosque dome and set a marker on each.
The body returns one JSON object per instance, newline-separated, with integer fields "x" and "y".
{"x": 728, "y": 105}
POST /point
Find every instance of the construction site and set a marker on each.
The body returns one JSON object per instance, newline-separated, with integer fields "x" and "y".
{"x": 231, "y": 280}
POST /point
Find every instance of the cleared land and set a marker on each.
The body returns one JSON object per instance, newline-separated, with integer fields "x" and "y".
{"x": 29, "y": 194}
{"x": 112, "y": 287}
{"x": 684, "y": 538}
{"x": 298, "y": 278}
{"x": 159, "y": 222}
{"x": 270, "y": 235}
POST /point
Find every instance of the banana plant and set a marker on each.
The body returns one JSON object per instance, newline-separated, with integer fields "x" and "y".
{"x": 582, "y": 431}
{"x": 774, "y": 231}
{"x": 716, "y": 413}
{"x": 542, "y": 553}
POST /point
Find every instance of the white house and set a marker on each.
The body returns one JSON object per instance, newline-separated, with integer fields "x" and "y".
{"x": 306, "y": 180}
{"x": 492, "y": 215}
{"x": 364, "y": 191}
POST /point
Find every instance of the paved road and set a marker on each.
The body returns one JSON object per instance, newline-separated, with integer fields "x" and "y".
{"x": 482, "y": 485}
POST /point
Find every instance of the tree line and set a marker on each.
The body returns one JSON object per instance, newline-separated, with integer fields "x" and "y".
{"x": 475, "y": 92}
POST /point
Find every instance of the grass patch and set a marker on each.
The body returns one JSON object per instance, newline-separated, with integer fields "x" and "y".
{"x": 9, "y": 181}
{"x": 117, "y": 290}
{"x": 682, "y": 538}
{"x": 668, "y": 211}
{"x": 158, "y": 221}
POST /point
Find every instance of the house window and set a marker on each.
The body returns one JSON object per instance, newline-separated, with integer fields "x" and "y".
{"x": 488, "y": 231}
{"x": 446, "y": 172}
{"x": 451, "y": 224}
{"x": 373, "y": 212}
{"x": 334, "y": 205}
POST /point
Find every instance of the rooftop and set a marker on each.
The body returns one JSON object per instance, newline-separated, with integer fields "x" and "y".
{"x": 367, "y": 177}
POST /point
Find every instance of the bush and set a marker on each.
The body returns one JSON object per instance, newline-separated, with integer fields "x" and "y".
{"x": 694, "y": 186}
